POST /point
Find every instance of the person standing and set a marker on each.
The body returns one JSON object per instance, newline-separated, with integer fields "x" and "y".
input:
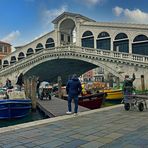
{"x": 38, "y": 82}
{"x": 8, "y": 84}
{"x": 73, "y": 89}
{"x": 128, "y": 86}
{"x": 20, "y": 82}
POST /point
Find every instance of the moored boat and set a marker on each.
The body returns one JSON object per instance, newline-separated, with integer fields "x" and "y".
{"x": 91, "y": 101}
{"x": 14, "y": 105}
{"x": 113, "y": 95}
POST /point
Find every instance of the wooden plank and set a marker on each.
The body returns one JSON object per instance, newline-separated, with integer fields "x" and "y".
{"x": 56, "y": 107}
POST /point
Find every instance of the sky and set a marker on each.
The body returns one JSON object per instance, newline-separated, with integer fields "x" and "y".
{"x": 22, "y": 21}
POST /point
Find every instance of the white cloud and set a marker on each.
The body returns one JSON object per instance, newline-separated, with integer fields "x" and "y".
{"x": 49, "y": 15}
{"x": 11, "y": 36}
{"x": 135, "y": 16}
{"x": 118, "y": 10}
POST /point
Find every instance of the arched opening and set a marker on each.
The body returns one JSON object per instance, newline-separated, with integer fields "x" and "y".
{"x": 5, "y": 63}
{"x": 103, "y": 41}
{"x": 50, "y": 43}
{"x": 67, "y": 32}
{"x": 21, "y": 56}
{"x": 88, "y": 39}
{"x": 39, "y": 47}
{"x": 29, "y": 52}
{"x": 13, "y": 60}
{"x": 121, "y": 43}
{"x": 140, "y": 45}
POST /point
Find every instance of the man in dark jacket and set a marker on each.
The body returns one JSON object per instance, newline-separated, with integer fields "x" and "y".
{"x": 73, "y": 89}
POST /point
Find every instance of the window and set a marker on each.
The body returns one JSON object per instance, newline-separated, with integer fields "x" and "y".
{"x": 5, "y": 49}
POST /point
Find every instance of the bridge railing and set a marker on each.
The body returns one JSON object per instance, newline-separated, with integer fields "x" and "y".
{"x": 115, "y": 54}
{"x": 103, "y": 53}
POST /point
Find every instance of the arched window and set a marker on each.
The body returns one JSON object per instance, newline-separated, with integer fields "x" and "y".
{"x": 121, "y": 43}
{"x": 88, "y": 39}
{"x": 103, "y": 41}
{"x": 39, "y": 47}
{"x": 140, "y": 45}
{"x": 49, "y": 43}
{"x": 29, "y": 52}
{"x": 13, "y": 59}
{"x": 5, "y": 63}
{"x": 21, "y": 56}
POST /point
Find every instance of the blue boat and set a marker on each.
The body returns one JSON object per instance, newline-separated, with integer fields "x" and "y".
{"x": 14, "y": 107}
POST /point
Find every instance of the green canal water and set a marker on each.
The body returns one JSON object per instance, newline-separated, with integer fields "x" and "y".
{"x": 33, "y": 116}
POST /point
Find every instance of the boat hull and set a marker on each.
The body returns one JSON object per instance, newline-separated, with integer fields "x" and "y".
{"x": 92, "y": 101}
{"x": 14, "y": 108}
{"x": 114, "y": 95}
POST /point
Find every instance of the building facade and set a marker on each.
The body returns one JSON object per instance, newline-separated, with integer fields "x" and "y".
{"x": 5, "y": 49}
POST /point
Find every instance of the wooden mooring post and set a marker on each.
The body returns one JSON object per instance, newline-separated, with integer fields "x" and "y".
{"x": 142, "y": 83}
{"x": 30, "y": 91}
{"x": 59, "y": 87}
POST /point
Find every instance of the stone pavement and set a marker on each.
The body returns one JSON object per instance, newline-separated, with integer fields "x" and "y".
{"x": 110, "y": 127}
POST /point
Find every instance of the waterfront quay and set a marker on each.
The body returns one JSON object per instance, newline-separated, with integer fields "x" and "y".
{"x": 110, "y": 127}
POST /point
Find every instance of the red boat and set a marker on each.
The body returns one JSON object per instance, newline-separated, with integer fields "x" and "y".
{"x": 91, "y": 101}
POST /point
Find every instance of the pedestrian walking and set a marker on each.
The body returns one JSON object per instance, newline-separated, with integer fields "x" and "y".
{"x": 20, "y": 81}
{"x": 73, "y": 89}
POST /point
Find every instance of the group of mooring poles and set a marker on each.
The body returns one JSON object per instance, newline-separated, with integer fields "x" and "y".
{"x": 30, "y": 89}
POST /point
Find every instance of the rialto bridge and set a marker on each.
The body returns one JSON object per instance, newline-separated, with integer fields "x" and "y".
{"x": 78, "y": 44}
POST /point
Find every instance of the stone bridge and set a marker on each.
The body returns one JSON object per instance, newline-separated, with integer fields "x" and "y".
{"x": 66, "y": 60}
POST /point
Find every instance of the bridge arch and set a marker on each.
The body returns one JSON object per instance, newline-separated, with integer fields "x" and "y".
{"x": 103, "y": 41}
{"x": 59, "y": 57}
{"x": 12, "y": 60}
{"x": 39, "y": 47}
{"x": 87, "y": 39}
{"x": 67, "y": 31}
{"x": 29, "y": 51}
{"x": 5, "y": 63}
{"x": 21, "y": 56}
{"x": 50, "y": 43}
{"x": 121, "y": 43}
{"x": 140, "y": 42}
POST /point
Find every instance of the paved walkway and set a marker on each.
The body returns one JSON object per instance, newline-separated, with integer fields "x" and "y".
{"x": 111, "y": 127}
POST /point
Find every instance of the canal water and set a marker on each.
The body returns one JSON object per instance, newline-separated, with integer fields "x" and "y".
{"x": 33, "y": 116}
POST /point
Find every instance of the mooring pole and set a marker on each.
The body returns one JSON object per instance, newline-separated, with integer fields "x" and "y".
{"x": 142, "y": 83}
{"x": 33, "y": 93}
{"x": 59, "y": 87}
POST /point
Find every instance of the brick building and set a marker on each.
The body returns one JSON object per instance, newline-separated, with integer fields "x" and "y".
{"x": 5, "y": 49}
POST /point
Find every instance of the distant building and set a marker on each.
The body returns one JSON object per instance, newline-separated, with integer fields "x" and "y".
{"x": 5, "y": 49}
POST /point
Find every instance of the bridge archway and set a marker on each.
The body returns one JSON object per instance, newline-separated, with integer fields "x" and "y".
{"x": 103, "y": 41}
{"x": 121, "y": 43}
{"x": 53, "y": 68}
{"x": 67, "y": 30}
{"x": 88, "y": 39}
{"x": 13, "y": 60}
{"x": 140, "y": 45}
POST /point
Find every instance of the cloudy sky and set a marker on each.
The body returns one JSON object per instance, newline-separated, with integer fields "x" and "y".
{"x": 24, "y": 20}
